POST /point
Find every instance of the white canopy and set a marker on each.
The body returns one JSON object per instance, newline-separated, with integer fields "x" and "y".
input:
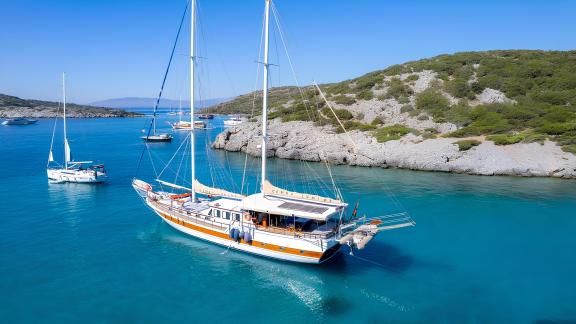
{"x": 289, "y": 207}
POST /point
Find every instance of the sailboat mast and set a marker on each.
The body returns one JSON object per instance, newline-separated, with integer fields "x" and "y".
{"x": 66, "y": 147}
{"x": 192, "y": 63}
{"x": 265, "y": 94}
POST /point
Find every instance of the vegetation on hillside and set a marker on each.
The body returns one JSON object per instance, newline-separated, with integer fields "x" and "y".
{"x": 541, "y": 84}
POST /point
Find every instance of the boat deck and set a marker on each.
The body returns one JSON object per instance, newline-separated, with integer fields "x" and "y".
{"x": 197, "y": 213}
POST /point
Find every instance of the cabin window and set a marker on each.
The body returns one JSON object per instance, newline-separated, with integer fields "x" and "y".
{"x": 217, "y": 212}
{"x": 227, "y": 215}
{"x": 237, "y": 217}
{"x": 210, "y": 212}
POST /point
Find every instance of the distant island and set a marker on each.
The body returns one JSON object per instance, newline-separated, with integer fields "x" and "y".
{"x": 503, "y": 112}
{"x": 148, "y": 103}
{"x": 14, "y": 107}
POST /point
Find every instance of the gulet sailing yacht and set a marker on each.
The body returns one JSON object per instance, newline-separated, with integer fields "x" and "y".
{"x": 274, "y": 222}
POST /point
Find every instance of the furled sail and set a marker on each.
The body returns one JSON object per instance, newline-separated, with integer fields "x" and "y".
{"x": 270, "y": 189}
{"x": 50, "y": 157}
{"x": 67, "y": 151}
{"x": 210, "y": 191}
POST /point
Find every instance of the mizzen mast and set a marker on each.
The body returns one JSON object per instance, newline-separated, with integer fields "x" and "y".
{"x": 192, "y": 63}
{"x": 265, "y": 94}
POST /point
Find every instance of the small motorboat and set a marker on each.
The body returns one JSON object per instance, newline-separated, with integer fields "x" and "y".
{"x": 234, "y": 121}
{"x": 19, "y": 121}
{"x": 206, "y": 116}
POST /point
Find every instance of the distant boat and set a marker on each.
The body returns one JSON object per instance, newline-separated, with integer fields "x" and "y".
{"x": 72, "y": 171}
{"x": 185, "y": 125}
{"x": 206, "y": 116}
{"x": 181, "y": 125}
{"x": 156, "y": 137}
{"x": 19, "y": 121}
{"x": 234, "y": 121}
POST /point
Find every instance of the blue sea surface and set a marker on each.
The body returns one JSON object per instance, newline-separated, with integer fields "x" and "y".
{"x": 485, "y": 249}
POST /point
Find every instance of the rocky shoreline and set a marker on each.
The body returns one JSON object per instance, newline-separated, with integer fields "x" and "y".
{"x": 299, "y": 140}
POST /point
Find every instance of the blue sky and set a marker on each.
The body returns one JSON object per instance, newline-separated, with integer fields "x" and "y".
{"x": 120, "y": 48}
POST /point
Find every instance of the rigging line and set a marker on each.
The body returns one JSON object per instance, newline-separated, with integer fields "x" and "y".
{"x": 279, "y": 29}
{"x": 163, "y": 82}
{"x": 218, "y": 52}
{"x": 181, "y": 160}
{"x": 253, "y": 100}
{"x": 151, "y": 160}
{"x": 336, "y": 116}
{"x": 277, "y": 20}
{"x": 173, "y": 156}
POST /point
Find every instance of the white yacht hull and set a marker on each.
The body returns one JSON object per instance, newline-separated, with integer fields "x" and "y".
{"x": 268, "y": 245}
{"x": 76, "y": 176}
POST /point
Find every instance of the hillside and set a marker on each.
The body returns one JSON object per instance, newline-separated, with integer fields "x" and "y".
{"x": 507, "y": 97}
{"x": 13, "y": 107}
{"x": 138, "y": 102}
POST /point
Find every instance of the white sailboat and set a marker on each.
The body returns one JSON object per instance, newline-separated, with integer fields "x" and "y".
{"x": 274, "y": 222}
{"x": 72, "y": 171}
{"x": 156, "y": 137}
{"x": 186, "y": 125}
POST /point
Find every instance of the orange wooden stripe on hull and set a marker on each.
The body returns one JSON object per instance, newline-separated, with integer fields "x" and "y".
{"x": 261, "y": 245}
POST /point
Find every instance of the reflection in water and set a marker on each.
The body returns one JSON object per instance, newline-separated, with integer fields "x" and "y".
{"x": 319, "y": 289}
{"x": 72, "y": 195}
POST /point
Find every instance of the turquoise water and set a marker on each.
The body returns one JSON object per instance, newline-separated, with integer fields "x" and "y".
{"x": 486, "y": 249}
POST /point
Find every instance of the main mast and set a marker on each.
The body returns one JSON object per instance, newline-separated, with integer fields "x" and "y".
{"x": 66, "y": 146}
{"x": 192, "y": 62}
{"x": 265, "y": 94}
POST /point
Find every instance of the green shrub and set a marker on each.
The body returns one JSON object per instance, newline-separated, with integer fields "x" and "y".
{"x": 423, "y": 117}
{"x": 569, "y": 148}
{"x": 397, "y": 89}
{"x": 505, "y": 139}
{"x": 365, "y": 95}
{"x": 459, "y": 114}
{"x": 368, "y": 81}
{"x": 377, "y": 121}
{"x": 556, "y": 128}
{"x": 342, "y": 114}
{"x": 458, "y": 87}
{"x": 432, "y": 102}
{"x": 465, "y": 145}
{"x": 390, "y": 133}
{"x": 355, "y": 125}
{"x": 344, "y": 100}
{"x": 406, "y": 108}
{"x": 531, "y": 136}
{"x": 485, "y": 122}
{"x": 412, "y": 77}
